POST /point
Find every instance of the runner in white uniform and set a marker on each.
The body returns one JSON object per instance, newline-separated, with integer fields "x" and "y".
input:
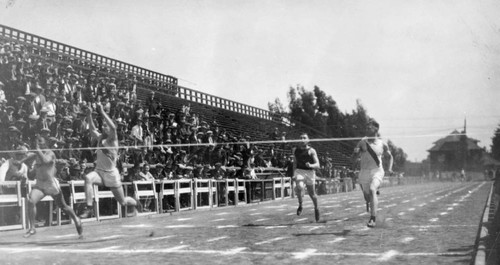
{"x": 370, "y": 151}
{"x": 106, "y": 173}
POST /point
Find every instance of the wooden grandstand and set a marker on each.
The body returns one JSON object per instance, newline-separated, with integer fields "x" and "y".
{"x": 236, "y": 118}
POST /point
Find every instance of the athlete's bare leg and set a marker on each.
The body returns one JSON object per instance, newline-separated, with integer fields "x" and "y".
{"x": 59, "y": 199}
{"x": 312, "y": 193}
{"x": 34, "y": 197}
{"x": 299, "y": 191}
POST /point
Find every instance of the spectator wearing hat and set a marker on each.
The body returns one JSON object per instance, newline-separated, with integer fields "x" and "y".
{"x": 31, "y": 107}
{"x": 69, "y": 86}
{"x": 185, "y": 132}
{"x": 20, "y": 107}
{"x": 2, "y": 92}
{"x": 137, "y": 133}
{"x": 50, "y": 105}
{"x": 152, "y": 103}
{"x": 39, "y": 98}
{"x": 171, "y": 122}
{"x": 198, "y": 171}
{"x": 77, "y": 170}
{"x": 195, "y": 120}
{"x": 8, "y": 116}
{"x": 188, "y": 172}
{"x": 14, "y": 138}
{"x": 145, "y": 174}
{"x": 90, "y": 91}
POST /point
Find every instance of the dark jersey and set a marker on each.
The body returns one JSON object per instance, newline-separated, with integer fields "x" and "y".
{"x": 302, "y": 156}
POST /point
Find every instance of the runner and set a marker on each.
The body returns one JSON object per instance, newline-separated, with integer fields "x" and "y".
{"x": 46, "y": 184}
{"x": 106, "y": 173}
{"x": 305, "y": 162}
{"x": 370, "y": 150}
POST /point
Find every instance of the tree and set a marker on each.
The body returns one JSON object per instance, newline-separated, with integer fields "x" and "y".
{"x": 320, "y": 114}
{"x": 495, "y": 144}
{"x": 399, "y": 157}
{"x": 276, "y": 107}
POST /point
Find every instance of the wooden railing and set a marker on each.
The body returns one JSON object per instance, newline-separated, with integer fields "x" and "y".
{"x": 49, "y": 48}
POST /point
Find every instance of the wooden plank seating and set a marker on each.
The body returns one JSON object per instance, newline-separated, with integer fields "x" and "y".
{"x": 146, "y": 191}
{"x": 11, "y": 197}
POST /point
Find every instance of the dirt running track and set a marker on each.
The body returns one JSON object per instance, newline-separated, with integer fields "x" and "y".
{"x": 434, "y": 223}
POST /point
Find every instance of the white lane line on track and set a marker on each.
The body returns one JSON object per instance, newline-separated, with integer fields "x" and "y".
{"x": 302, "y": 255}
{"x": 411, "y": 209}
{"x": 363, "y": 214}
{"x": 277, "y": 226}
{"x": 449, "y": 209}
{"x": 184, "y": 219}
{"x": 223, "y": 213}
{"x": 180, "y": 250}
{"x": 179, "y": 226}
{"x": 218, "y": 220}
{"x": 109, "y": 248}
{"x": 226, "y": 226}
{"x": 262, "y": 219}
{"x": 407, "y": 240}
{"x": 176, "y": 248}
{"x": 433, "y": 219}
{"x": 388, "y": 255}
{"x": 300, "y": 220}
{"x": 405, "y": 201}
{"x": 161, "y": 237}
{"x": 63, "y": 236}
{"x": 217, "y": 238}
{"x": 255, "y": 213}
{"x": 136, "y": 226}
{"x": 113, "y": 236}
{"x": 234, "y": 251}
{"x": 291, "y": 213}
{"x": 270, "y": 240}
{"x": 443, "y": 213}
{"x": 401, "y": 213}
{"x": 336, "y": 240}
{"x": 440, "y": 226}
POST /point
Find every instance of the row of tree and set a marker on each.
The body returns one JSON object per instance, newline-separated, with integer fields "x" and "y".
{"x": 319, "y": 112}
{"x": 495, "y": 144}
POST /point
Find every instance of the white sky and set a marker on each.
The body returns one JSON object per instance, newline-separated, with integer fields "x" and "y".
{"x": 419, "y": 67}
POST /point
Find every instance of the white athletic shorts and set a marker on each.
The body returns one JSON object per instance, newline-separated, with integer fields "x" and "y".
{"x": 308, "y": 176}
{"x": 111, "y": 179}
{"x": 367, "y": 177}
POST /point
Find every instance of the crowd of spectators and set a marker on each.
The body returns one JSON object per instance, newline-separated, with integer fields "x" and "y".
{"x": 51, "y": 98}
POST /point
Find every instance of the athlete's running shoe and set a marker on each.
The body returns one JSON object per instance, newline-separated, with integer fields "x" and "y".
{"x": 316, "y": 214}
{"x": 299, "y": 210}
{"x": 30, "y": 233}
{"x": 371, "y": 222}
{"x": 87, "y": 213}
